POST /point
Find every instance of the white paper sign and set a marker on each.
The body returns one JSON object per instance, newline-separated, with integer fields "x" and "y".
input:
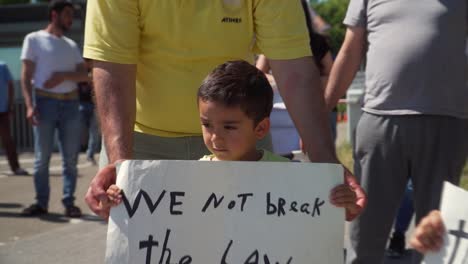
{"x": 454, "y": 210}
{"x": 226, "y": 212}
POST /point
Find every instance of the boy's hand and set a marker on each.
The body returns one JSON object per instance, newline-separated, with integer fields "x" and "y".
{"x": 361, "y": 197}
{"x": 114, "y": 194}
{"x": 344, "y": 196}
{"x": 429, "y": 233}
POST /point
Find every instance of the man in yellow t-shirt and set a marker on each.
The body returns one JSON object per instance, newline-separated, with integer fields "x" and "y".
{"x": 151, "y": 56}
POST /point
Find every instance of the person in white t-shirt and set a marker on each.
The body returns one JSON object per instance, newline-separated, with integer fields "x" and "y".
{"x": 51, "y": 67}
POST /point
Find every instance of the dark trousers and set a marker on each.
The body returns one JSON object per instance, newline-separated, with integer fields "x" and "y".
{"x": 389, "y": 151}
{"x": 7, "y": 141}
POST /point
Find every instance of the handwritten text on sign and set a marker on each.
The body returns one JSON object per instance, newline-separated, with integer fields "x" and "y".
{"x": 226, "y": 212}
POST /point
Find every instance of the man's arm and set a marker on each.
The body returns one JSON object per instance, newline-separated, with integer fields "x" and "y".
{"x": 116, "y": 103}
{"x": 80, "y": 75}
{"x": 27, "y": 69}
{"x": 345, "y": 66}
{"x": 299, "y": 84}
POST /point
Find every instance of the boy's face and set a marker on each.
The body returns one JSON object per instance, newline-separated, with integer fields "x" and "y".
{"x": 229, "y": 133}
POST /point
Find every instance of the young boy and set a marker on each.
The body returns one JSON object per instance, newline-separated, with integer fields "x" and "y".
{"x": 235, "y": 103}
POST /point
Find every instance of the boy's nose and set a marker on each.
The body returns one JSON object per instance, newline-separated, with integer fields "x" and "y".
{"x": 215, "y": 137}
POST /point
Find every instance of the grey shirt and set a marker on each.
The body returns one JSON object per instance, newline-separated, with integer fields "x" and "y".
{"x": 415, "y": 59}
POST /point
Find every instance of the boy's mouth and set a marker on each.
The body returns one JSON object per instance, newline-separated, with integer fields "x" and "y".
{"x": 220, "y": 149}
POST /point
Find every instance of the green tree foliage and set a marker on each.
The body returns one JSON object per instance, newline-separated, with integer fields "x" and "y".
{"x": 333, "y": 12}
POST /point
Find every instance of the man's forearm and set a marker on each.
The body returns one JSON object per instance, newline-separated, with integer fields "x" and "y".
{"x": 26, "y": 89}
{"x": 116, "y": 103}
{"x": 340, "y": 79}
{"x": 345, "y": 67}
{"x": 299, "y": 83}
{"x": 76, "y": 76}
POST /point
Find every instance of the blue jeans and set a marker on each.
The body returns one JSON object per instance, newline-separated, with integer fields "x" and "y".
{"x": 89, "y": 124}
{"x": 406, "y": 210}
{"x": 63, "y": 116}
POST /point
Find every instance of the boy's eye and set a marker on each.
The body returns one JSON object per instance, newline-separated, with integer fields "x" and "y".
{"x": 230, "y": 127}
{"x": 205, "y": 124}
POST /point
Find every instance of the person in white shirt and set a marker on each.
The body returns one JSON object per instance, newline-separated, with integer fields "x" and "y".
{"x": 51, "y": 67}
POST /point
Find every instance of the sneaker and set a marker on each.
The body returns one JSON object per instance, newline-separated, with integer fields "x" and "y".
{"x": 73, "y": 211}
{"x": 396, "y": 249}
{"x": 91, "y": 160}
{"x": 34, "y": 210}
{"x": 21, "y": 172}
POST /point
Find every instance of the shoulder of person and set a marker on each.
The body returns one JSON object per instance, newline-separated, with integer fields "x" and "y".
{"x": 32, "y": 35}
{"x": 269, "y": 156}
{"x": 70, "y": 41}
{"x": 35, "y": 35}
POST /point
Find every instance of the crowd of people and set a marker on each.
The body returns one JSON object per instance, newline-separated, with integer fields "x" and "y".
{"x": 149, "y": 59}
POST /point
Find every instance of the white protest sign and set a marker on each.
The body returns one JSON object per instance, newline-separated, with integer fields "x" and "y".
{"x": 211, "y": 212}
{"x": 454, "y": 210}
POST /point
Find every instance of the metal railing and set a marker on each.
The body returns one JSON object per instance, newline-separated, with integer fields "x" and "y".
{"x": 21, "y": 130}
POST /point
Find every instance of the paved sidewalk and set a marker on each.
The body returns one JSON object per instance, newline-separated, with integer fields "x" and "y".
{"x": 54, "y": 238}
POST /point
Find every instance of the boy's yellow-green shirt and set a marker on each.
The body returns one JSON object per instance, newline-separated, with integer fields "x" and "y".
{"x": 176, "y": 43}
{"x": 267, "y": 156}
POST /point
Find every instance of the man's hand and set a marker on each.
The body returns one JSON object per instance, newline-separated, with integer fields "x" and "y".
{"x": 361, "y": 197}
{"x": 96, "y": 197}
{"x": 429, "y": 233}
{"x": 32, "y": 115}
{"x": 54, "y": 80}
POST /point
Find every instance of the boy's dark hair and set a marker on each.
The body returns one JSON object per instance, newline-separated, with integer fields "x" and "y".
{"x": 57, "y": 6}
{"x": 238, "y": 83}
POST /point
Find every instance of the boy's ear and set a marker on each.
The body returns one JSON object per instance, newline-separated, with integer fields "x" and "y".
{"x": 262, "y": 128}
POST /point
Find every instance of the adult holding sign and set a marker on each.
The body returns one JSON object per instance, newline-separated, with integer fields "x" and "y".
{"x": 150, "y": 57}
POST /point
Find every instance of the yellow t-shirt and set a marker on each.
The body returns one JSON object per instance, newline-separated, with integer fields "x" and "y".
{"x": 176, "y": 43}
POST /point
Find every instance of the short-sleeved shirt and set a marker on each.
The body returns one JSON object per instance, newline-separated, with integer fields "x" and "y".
{"x": 51, "y": 54}
{"x": 175, "y": 44}
{"x": 5, "y": 78}
{"x": 415, "y": 61}
{"x": 267, "y": 156}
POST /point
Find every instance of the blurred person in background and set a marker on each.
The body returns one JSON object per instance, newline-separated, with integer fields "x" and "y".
{"x": 7, "y": 96}
{"x": 52, "y": 66}
{"x": 89, "y": 124}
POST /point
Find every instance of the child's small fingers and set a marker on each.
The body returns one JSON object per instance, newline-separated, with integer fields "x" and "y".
{"x": 345, "y": 197}
{"x": 345, "y": 205}
{"x": 343, "y": 200}
{"x": 339, "y": 188}
{"x": 115, "y": 202}
{"x": 114, "y": 188}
